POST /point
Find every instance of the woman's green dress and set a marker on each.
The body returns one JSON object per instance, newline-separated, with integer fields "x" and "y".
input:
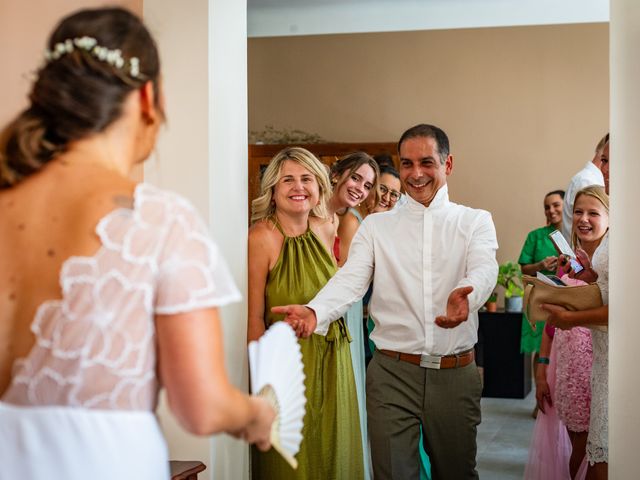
{"x": 331, "y": 447}
{"x": 536, "y": 247}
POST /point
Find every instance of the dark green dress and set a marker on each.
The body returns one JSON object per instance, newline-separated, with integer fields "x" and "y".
{"x": 331, "y": 447}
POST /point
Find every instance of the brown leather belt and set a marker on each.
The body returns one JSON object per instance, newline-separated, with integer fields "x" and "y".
{"x": 458, "y": 360}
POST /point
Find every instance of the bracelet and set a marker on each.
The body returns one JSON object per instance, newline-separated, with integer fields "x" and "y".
{"x": 543, "y": 360}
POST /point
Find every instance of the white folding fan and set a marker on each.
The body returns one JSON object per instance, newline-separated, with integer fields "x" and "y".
{"x": 275, "y": 362}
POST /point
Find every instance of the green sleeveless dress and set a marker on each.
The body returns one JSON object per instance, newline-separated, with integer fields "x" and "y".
{"x": 331, "y": 447}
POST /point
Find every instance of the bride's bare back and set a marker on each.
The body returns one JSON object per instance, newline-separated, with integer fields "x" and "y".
{"x": 45, "y": 220}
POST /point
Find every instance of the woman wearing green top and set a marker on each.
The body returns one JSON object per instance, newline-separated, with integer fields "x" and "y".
{"x": 539, "y": 255}
{"x": 290, "y": 260}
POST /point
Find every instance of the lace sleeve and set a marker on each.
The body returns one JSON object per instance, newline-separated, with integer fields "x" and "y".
{"x": 192, "y": 273}
{"x": 601, "y": 266}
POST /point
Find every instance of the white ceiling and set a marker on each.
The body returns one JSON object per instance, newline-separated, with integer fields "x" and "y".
{"x": 267, "y": 18}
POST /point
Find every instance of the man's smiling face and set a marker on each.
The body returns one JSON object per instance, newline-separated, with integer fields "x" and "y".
{"x": 421, "y": 170}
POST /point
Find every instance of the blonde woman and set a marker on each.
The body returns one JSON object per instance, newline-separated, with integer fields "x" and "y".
{"x": 594, "y": 256}
{"x": 573, "y": 350}
{"x": 290, "y": 260}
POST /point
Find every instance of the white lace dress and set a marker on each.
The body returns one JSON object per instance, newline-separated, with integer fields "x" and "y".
{"x": 80, "y": 404}
{"x": 598, "y": 441}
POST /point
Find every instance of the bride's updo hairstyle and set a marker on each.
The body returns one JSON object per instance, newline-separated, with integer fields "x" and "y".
{"x": 94, "y": 59}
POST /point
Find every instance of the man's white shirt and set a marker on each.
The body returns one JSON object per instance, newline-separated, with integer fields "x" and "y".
{"x": 416, "y": 256}
{"x": 589, "y": 175}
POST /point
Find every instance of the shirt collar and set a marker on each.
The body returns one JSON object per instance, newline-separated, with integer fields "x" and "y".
{"x": 441, "y": 199}
{"x": 592, "y": 167}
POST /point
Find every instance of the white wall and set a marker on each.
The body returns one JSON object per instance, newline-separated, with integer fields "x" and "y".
{"x": 203, "y": 155}
{"x": 228, "y": 174}
{"x": 269, "y": 18}
{"x": 624, "y": 332}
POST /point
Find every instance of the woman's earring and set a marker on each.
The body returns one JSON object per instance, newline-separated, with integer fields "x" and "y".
{"x": 148, "y": 118}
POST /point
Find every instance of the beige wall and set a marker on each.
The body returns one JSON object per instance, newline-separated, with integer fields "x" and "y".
{"x": 523, "y": 106}
{"x": 24, "y": 29}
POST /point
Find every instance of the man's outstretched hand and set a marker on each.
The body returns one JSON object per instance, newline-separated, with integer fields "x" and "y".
{"x": 302, "y": 319}
{"x": 457, "y": 308}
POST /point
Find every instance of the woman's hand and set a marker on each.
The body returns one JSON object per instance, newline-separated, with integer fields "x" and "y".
{"x": 258, "y": 431}
{"x": 558, "y": 316}
{"x": 588, "y": 274}
{"x": 542, "y": 388}
{"x": 549, "y": 264}
{"x": 302, "y": 319}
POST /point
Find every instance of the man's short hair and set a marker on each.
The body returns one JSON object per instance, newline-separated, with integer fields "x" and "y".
{"x": 428, "y": 131}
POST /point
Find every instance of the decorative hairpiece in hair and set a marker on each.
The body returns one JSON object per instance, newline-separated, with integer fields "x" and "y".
{"x": 112, "y": 57}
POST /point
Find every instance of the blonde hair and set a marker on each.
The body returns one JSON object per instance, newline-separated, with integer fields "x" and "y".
{"x": 603, "y": 141}
{"x": 595, "y": 191}
{"x": 264, "y": 206}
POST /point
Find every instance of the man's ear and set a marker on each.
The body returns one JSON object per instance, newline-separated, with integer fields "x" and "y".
{"x": 148, "y": 103}
{"x": 448, "y": 165}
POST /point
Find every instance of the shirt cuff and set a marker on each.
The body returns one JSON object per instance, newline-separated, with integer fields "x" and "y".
{"x": 322, "y": 326}
{"x": 474, "y": 298}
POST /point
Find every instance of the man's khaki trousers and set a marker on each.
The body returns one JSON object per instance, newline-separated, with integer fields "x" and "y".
{"x": 400, "y": 397}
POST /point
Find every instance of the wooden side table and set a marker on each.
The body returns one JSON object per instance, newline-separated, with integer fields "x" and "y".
{"x": 185, "y": 470}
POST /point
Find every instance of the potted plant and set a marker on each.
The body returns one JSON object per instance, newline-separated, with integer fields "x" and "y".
{"x": 510, "y": 278}
{"x": 492, "y": 303}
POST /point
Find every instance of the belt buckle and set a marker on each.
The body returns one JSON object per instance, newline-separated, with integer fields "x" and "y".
{"x": 430, "y": 361}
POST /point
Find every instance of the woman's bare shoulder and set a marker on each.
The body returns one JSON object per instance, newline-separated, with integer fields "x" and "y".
{"x": 349, "y": 220}
{"x": 264, "y": 233}
{"x": 322, "y": 224}
{"x": 323, "y": 228}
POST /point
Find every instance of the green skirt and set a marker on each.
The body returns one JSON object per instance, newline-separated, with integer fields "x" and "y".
{"x": 530, "y": 340}
{"x": 331, "y": 447}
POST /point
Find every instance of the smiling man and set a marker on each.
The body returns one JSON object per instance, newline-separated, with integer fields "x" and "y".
{"x": 433, "y": 266}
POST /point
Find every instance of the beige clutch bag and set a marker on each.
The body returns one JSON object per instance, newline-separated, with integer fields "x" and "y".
{"x": 574, "y": 298}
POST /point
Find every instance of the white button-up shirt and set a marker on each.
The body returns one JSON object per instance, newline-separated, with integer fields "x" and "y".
{"x": 416, "y": 256}
{"x": 589, "y": 175}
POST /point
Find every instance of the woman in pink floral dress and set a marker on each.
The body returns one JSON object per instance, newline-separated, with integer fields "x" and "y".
{"x": 573, "y": 348}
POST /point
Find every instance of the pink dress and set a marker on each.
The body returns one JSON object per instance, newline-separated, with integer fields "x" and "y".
{"x": 573, "y": 372}
{"x": 550, "y": 447}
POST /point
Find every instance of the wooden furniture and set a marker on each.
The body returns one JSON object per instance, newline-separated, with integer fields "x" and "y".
{"x": 507, "y": 372}
{"x": 185, "y": 470}
{"x": 260, "y": 155}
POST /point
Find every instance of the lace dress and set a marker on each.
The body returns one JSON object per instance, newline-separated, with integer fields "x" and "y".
{"x": 598, "y": 441}
{"x": 80, "y": 404}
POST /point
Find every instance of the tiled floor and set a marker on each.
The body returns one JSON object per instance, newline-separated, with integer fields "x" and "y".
{"x": 504, "y": 436}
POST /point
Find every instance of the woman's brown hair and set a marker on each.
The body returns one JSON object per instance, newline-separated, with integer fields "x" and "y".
{"x": 77, "y": 94}
{"x": 350, "y": 163}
